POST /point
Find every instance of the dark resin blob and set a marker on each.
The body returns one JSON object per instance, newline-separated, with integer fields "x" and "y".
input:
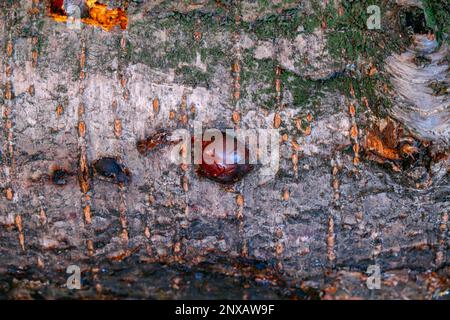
{"x": 59, "y": 177}
{"x": 112, "y": 170}
{"x": 230, "y": 163}
{"x": 57, "y": 7}
{"x": 152, "y": 142}
{"x": 414, "y": 20}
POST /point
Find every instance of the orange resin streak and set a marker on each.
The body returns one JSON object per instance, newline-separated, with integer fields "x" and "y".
{"x": 99, "y": 15}
{"x": 375, "y": 144}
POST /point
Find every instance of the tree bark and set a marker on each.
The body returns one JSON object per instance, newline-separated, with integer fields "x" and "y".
{"x": 335, "y": 207}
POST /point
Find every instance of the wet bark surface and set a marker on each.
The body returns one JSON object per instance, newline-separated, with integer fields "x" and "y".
{"x": 363, "y": 176}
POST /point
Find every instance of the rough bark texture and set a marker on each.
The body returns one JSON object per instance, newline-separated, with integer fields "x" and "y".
{"x": 335, "y": 207}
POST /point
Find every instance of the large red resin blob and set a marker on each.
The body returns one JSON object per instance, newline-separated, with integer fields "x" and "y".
{"x": 226, "y": 165}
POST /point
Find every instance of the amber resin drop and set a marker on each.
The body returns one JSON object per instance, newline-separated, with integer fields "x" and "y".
{"x": 230, "y": 163}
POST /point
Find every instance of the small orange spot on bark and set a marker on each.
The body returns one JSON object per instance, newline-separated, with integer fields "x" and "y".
{"x": 40, "y": 263}
{"x": 90, "y": 247}
{"x": 80, "y": 110}
{"x": 286, "y": 195}
{"x": 236, "y": 117}
{"x": 9, "y": 193}
{"x": 240, "y": 200}
{"x": 307, "y": 131}
{"x": 276, "y": 120}
{"x": 155, "y": 105}
{"x": 197, "y": 35}
{"x": 124, "y": 235}
{"x": 352, "y": 110}
{"x": 83, "y": 59}
{"x": 185, "y": 184}
{"x": 9, "y": 48}
{"x": 31, "y": 90}
{"x": 42, "y": 217}
{"x": 8, "y": 70}
{"x": 117, "y": 128}
{"x": 294, "y": 158}
{"x": 298, "y": 124}
{"x": 354, "y": 131}
{"x": 278, "y": 85}
{"x": 279, "y": 248}
{"x": 8, "y": 90}
{"x": 335, "y": 184}
{"x": 83, "y": 176}
{"x": 18, "y": 221}
{"x": 123, "y": 42}
{"x": 87, "y": 214}
{"x": 147, "y": 232}
{"x": 235, "y": 67}
{"x": 184, "y": 118}
{"x": 59, "y": 110}
{"x": 193, "y": 109}
{"x": 81, "y": 128}
{"x": 295, "y": 145}
{"x": 177, "y": 247}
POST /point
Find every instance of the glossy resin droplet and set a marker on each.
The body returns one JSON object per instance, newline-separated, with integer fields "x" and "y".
{"x": 113, "y": 171}
{"x": 229, "y": 164}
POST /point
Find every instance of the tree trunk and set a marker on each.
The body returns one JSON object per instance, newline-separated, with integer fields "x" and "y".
{"x": 360, "y": 181}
